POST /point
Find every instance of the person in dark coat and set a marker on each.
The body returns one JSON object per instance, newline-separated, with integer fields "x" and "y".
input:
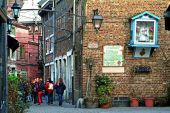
{"x": 60, "y": 87}
{"x": 35, "y": 90}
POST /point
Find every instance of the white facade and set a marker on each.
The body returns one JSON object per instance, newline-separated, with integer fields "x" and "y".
{"x": 63, "y": 69}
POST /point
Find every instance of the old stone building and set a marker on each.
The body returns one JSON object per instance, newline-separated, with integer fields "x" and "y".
{"x": 57, "y": 19}
{"x": 131, "y": 46}
{"x": 47, "y": 37}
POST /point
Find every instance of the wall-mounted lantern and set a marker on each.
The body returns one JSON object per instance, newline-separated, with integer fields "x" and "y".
{"x": 9, "y": 25}
{"x": 97, "y": 20}
{"x": 167, "y": 18}
{"x": 16, "y": 10}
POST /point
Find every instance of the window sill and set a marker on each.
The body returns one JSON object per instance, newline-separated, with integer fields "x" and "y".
{"x": 49, "y": 52}
{"x": 113, "y": 69}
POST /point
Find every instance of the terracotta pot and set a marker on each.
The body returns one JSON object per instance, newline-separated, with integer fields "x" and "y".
{"x": 149, "y": 102}
{"x": 134, "y": 102}
{"x": 107, "y": 105}
{"x": 91, "y": 104}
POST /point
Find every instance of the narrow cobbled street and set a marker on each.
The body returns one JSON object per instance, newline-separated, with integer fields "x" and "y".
{"x": 68, "y": 108}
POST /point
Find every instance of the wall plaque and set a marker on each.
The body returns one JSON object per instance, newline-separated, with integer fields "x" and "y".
{"x": 113, "y": 55}
{"x": 93, "y": 45}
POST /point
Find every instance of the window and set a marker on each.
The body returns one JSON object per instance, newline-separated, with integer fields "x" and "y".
{"x": 113, "y": 55}
{"x": 12, "y": 55}
{"x": 144, "y": 32}
{"x": 79, "y": 14}
{"x": 49, "y": 44}
{"x": 63, "y": 22}
{"x": 22, "y": 52}
{"x": 45, "y": 17}
{"x": 24, "y": 74}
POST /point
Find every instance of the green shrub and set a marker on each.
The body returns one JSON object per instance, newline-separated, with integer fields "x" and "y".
{"x": 105, "y": 99}
{"x": 15, "y": 95}
{"x": 104, "y": 88}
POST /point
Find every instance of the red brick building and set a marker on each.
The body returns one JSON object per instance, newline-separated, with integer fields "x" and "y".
{"x": 116, "y": 30}
{"x": 27, "y": 33}
{"x": 27, "y": 53}
{"x": 25, "y": 59}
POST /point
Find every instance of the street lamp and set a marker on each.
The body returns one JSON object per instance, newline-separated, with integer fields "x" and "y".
{"x": 16, "y": 10}
{"x": 97, "y": 20}
{"x": 9, "y": 25}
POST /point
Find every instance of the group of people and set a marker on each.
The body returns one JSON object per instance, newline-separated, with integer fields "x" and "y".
{"x": 47, "y": 89}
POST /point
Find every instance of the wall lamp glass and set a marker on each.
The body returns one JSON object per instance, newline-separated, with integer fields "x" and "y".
{"x": 9, "y": 25}
{"x": 97, "y": 20}
{"x": 16, "y": 10}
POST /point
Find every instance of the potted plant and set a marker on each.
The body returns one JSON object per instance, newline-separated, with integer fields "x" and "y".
{"x": 104, "y": 89}
{"x": 134, "y": 102}
{"x": 168, "y": 94}
{"x": 105, "y": 101}
{"x": 91, "y": 102}
{"x": 149, "y": 101}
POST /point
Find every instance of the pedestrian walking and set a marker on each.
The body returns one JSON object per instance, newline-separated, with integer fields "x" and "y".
{"x": 46, "y": 91}
{"x": 60, "y": 87}
{"x": 40, "y": 90}
{"x": 35, "y": 90}
{"x": 50, "y": 87}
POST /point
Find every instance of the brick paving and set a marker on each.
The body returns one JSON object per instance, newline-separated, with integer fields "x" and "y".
{"x": 68, "y": 108}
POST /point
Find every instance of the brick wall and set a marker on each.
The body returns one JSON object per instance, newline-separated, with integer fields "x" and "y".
{"x": 30, "y": 61}
{"x": 49, "y": 58}
{"x": 116, "y": 30}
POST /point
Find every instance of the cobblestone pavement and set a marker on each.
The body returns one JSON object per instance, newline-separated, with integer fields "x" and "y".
{"x": 68, "y": 108}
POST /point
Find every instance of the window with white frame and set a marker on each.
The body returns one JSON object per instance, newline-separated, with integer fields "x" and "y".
{"x": 50, "y": 44}
{"x": 12, "y": 55}
{"x": 21, "y": 54}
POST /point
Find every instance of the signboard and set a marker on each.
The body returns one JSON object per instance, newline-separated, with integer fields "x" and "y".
{"x": 93, "y": 45}
{"x": 113, "y": 55}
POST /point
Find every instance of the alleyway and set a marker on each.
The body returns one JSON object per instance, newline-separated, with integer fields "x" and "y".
{"x": 68, "y": 108}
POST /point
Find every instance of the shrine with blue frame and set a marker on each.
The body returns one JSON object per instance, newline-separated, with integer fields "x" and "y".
{"x": 144, "y": 32}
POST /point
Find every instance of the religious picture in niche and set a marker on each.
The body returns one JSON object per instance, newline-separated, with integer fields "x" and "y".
{"x": 145, "y": 31}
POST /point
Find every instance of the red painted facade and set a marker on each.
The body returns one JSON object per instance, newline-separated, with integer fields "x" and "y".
{"x": 27, "y": 60}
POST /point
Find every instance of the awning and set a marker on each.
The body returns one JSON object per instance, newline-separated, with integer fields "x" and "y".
{"x": 12, "y": 43}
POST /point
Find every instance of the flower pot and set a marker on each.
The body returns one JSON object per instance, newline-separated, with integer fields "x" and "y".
{"x": 134, "y": 102}
{"x": 149, "y": 102}
{"x": 106, "y": 105}
{"x": 91, "y": 104}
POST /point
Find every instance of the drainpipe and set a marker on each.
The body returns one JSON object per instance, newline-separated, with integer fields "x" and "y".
{"x": 54, "y": 37}
{"x": 44, "y": 52}
{"x": 54, "y": 32}
{"x": 73, "y": 58}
